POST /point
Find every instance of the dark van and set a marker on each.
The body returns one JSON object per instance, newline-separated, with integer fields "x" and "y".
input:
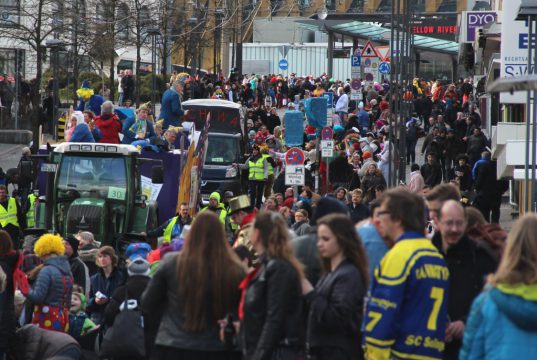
{"x": 225, "y": 146}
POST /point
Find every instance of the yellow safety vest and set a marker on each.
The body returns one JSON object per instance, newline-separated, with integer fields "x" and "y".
{"x": 256, "y": 169}
{"x": 221, "y": 215}
{"x": 167, "y": 237}
{"x": 30, "y": 215}
{"x": 270, "y": 168}
{"x": 9, "y": 216}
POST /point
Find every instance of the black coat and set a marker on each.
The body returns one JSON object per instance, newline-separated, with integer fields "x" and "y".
{"x": 359, "y": 213}
{"x": 432, "y": 174}
{"x": 80, "y": 273}
{"x": 272, "y": 309}
{"x": 136, "y": 286}
{"x": 8, "y": 320}
{"x": 336, "y": 310}
{"x": 162, "y": 302}
{"x": 468, "y": 266}
{"x": 305, "y": 250}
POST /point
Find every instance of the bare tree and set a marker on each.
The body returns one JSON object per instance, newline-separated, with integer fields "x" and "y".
{"x": 39, "y": 20}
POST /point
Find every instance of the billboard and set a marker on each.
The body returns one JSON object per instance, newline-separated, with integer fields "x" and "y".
{"x": 514, "y": 51}
{"x": 471, "y": 21}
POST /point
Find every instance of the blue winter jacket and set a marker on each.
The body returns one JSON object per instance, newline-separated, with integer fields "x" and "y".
{"x": 171, "y": 110}
{"x": 54, "y": 283}
{"x": 502, "y": 324}
{"x": 375, "y": 247}
{"x": 105, "y": 285}
{"x": 94, "y": 104}
{"x": 82, "y": 133}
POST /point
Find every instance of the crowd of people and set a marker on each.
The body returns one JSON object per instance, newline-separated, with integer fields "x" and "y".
{"x": 386, "y": 287}
{"x": 350, "y": 269}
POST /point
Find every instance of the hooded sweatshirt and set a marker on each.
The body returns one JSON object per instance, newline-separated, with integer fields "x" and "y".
{"x": 502, "y": 324}
{"x": 53, "y": 284}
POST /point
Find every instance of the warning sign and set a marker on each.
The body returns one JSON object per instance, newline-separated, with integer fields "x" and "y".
{"x": 369, "y": 51}
{"x": 383, "y": 52}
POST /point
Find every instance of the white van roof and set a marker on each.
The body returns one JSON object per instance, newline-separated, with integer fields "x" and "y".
{"x": 212, "y": 102}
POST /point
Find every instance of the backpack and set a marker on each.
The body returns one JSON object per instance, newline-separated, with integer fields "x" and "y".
{"x": 128, "y": 321}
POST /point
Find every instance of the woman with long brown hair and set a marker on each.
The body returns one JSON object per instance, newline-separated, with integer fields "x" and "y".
{"x": 270, "y": 310}
{"x": 503, "y": 320}
{"x": 336, "y": 303}
{"x": 192, "y": 290}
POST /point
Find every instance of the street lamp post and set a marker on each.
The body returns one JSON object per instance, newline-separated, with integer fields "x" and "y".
{"x": 193, "y": 21}
{"x": 55, "y": 45}
{"x": 154, "y": 33}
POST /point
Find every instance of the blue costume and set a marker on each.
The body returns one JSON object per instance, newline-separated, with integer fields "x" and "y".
{"x": 93, "y": 103}
{"x": 171, "y": 110}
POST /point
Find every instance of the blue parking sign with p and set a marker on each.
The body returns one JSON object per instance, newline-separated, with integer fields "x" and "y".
{"x": 356, "y": 60}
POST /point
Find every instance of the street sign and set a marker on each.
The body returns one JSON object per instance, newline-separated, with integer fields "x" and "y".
{"x": 283, "y": 64}
{"x": 356, "y": 60}
{"x": 327, "y": 148}
{"x": 384, "y": 68}
{"x": 356, "y": 84}
{"x": 295, "y": 175}
{"x": 327, "y": 133}
{"x": 356, "y": 95}
{"x": 383, "y": 52}
{"x": 294, "y": 156}
{"x": 369, "y": 51}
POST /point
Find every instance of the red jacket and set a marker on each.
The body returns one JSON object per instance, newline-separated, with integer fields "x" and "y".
{"x": 110, "y": 127}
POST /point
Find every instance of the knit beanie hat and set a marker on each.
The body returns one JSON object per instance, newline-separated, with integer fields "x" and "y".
{"x": 328, "y": 205}
{"x": 49, "y": 244}
{"x": 138, "y": 250}
{"x": 215, "y": 195}
{"x": 74, "y": 244}
{"x": 138, "y": 267}
{"x": 366, "y": 155}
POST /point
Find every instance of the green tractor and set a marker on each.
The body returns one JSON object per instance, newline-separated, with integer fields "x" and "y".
{"x": 97, "y": 188}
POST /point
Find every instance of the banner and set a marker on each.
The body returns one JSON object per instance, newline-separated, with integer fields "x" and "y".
{"x": 294, "y": 126}
{"x": 514, "y": 51}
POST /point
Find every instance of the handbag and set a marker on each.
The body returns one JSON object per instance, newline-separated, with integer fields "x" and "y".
{"x": 115, "y": 341}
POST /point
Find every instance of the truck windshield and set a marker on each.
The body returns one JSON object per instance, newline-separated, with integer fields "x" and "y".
{"x": 222, "y": 150}
{"x": 85, "y": 173}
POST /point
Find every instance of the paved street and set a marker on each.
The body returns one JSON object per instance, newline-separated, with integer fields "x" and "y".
{"x": 9, "y": 155}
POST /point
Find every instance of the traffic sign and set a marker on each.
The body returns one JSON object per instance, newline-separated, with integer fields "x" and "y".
{"x": 327, "y": 148}
{"x": 283, "y": 64}
{"x": 295, "y": 175}
{"x": 356, "y": 95}
{"x": 369, "y": 51}
{"x": 356, "y": 60}
{"x": 356, "y": 84}
{"x": 384, "y": 68}
{"x": 383, "y": 52}
{"x": 327, "y": 133}
{"x": 294, "y": 156}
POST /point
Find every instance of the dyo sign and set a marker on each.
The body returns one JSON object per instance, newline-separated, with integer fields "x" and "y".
{"x": 476, "y": 20}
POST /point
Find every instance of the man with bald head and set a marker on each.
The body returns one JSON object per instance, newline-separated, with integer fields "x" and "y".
{"x": 468, "y": 266}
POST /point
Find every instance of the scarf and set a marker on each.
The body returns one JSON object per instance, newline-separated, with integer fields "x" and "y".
{"x": 139, "y": 128}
